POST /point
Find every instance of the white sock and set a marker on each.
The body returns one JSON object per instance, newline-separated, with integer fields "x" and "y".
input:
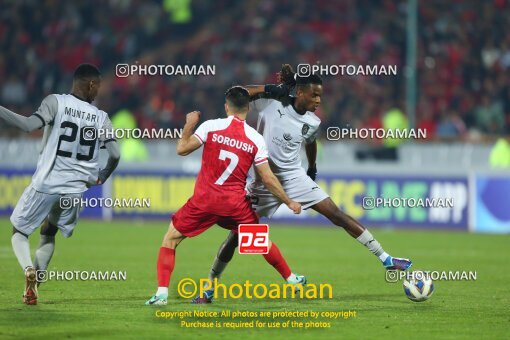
{"x": 162, "y": 290}
{"x": 384, "y": 256}
{"x": 292, "y": 277}
{"x": 21, "y": 248}
{"x": 372, "y": 244}
{"x": 44, "y": 252}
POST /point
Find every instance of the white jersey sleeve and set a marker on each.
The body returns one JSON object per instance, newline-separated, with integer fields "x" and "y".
{"x": 47, "y": 110}
{"x": 46, "y": 113}
{"x": 202, "y": 131}
{"x": 107, "y": 128}
{"x": 261, "y": 156}
{"x": 313, "y": 136}
{"x": 261, "y": 104}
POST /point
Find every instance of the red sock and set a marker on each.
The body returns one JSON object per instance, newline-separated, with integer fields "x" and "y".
{"x": 166, "y": 262}
{"x": 275, "y": 258}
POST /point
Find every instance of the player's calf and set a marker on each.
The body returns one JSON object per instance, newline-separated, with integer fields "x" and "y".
{"x": 329, "y": 209}
{"x": 225, "y": 253}
{"x": 165, "y": 265}
{"x": 44, "y": 251}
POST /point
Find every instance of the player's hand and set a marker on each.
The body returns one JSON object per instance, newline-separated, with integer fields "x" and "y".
{"x": 286, "y": 75}
{"x": 295, "y": 207}
{"x": 93, "y": 183}
{"x": 312, "y": 172}
{"x": 192, "y": 118}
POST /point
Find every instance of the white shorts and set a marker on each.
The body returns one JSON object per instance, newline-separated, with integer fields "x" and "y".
{"x": 34, "y": 207}
{"x": 301, "y": 189}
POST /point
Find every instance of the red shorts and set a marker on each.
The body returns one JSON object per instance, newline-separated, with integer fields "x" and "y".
{"x": 191, "y": 221}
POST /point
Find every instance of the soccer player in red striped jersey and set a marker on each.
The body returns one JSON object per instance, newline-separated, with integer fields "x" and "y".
{"x": 231, "y": 147}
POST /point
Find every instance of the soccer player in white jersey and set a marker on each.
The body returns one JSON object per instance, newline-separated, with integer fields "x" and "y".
{"x": 68, "y": 164}
{"x": 286, "y": 122}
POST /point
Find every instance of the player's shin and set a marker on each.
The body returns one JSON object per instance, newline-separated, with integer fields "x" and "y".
{"x": 389, "y": 262}
{"x": 44, "y": 252}
{"x": 225, "y": 254}
{"x": 166, "y": 263}
{"x": 21, "y": 248}
{"x": 216, "y": 270}
{"x": 373, "y": 245}
{"x": 275, "y": 258}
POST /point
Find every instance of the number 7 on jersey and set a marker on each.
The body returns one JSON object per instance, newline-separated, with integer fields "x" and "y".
{"x": 230, "y": 168}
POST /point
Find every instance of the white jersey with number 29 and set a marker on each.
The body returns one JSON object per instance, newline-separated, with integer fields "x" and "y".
{"x": 69, "y": 157}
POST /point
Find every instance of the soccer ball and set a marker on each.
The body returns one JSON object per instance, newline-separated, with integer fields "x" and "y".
{"x": 418, "y": 286}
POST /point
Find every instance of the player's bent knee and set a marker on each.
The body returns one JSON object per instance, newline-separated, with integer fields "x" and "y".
{"x": 16, "y": 231}
{"x": 172, "y": 238}
{"x": 49, "y": 229}
{"x": 171, "y": 242}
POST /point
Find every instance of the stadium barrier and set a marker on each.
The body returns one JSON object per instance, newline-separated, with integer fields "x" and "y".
{"x": 491, "y": 211}
{"x": 478, "y": 201}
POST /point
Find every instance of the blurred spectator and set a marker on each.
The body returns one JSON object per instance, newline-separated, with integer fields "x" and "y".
{"x": 450, "y": 126}
{"x": 13, "y": 91}
{"x": 426, "y": 119}
{"x": 489, "y": 116}
{"x": 463, "y": 55}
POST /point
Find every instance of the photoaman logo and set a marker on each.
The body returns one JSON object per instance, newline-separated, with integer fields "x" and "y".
{"x": 188, "y": 288}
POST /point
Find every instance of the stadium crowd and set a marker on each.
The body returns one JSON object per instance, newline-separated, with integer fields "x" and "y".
{"x": 463, "y": 57}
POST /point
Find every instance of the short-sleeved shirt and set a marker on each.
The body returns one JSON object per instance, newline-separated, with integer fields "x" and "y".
{"x": 69, "y": 157}
{"x": 284, "y": 131}
{"x": 231, "y": 147}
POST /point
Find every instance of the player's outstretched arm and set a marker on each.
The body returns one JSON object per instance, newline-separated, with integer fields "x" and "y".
{"x": 286, "y": 81}
{"x": 27, "y": 124}
{"x": 113, "y": 161}
{"x": 44, "y": 115}
{"x": 270, "y": 91}
{"x": 255, "y": 90}
{"x": 273, "y": 185}
{"x": 186, "y": 144}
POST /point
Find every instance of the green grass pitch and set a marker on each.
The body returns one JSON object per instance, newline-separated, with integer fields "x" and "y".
{"x": 106, "y": 309}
